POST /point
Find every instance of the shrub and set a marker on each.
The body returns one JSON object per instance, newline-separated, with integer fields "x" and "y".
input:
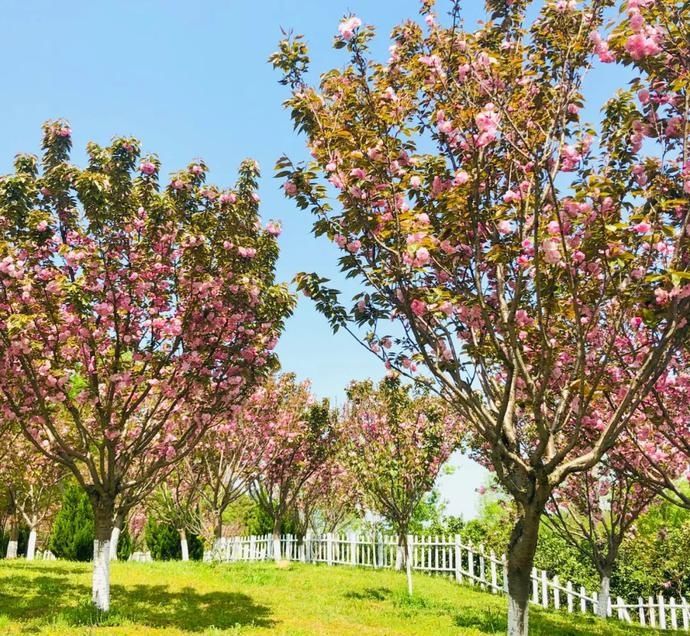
{"x": 163, "y": 541}
{"x": 73, "y": 530}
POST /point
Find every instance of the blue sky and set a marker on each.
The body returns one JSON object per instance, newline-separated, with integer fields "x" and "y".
{"x": 190, "y": 79}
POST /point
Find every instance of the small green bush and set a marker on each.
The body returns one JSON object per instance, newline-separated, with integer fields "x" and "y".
{"x": 73, "y": 529}
{"x": 163, "y": 541}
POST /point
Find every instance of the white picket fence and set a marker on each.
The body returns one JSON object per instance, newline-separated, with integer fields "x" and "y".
{"x": 448, "y": 556}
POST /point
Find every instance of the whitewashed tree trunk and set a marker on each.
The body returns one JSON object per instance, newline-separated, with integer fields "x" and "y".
{"x": 276, "y": 547}
{"x": 603, "y": 596}
{"x": 276, "y": 541}
{"x": 114, "y": 540}
{"x": 12, "y": 546}
{"x": 184, "y": 546}
{"x": 101, "y": 574}
{"x": 408, "y": 564}
{"x": 399, "y": 557}
{"x": 517, "y": 617}
{"x": 31, "y": 545}
{"x": 218, "y": 531}
{"x": 103, "y": 527}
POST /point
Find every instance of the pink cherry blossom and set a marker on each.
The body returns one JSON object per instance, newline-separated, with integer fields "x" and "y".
{"x": 348, "y": 27}
{"x": 147, "y": 168}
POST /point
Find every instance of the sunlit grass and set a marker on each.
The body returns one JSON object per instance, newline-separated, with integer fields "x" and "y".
{"x": 300, "y": 600}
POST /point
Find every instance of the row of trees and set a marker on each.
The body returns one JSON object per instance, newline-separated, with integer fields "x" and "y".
{"x": 306, "y": 466}
{"x": 537, "y": 266}
{"x": 301, "y": 462}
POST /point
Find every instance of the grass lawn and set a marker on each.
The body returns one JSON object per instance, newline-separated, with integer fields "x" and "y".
{"x": 299, "y": 600}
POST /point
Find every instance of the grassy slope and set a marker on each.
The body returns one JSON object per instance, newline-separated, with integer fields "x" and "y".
{"x": 195, "y": 598}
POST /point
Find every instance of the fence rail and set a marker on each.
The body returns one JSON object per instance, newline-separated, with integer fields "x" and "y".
{"x": 448, "y": 556}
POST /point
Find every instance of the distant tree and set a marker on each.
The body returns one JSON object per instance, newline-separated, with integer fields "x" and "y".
{"x": 298, "y": 437}
{"x": 330, "y": 499}
{"x": 594, "y": 511}
{"x": 395, "y": 443}
{"x": 175, "y": 504}
{"x": 33, "y": 483}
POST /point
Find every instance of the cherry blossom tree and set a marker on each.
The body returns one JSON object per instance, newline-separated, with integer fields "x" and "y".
{"x": 33, "y": 483}
{"x": 329, "y": 499}
{"x": 594, "y": 511}
{"x": 222, "y": 465}
{"x": 176, "y": 503}
{"x": 134, "y": 315}
{"x": 10, "y": 518}
{"x": 298, "y": 435}
{"x": 514, "y": 246}
{"x": 395, "y": 444}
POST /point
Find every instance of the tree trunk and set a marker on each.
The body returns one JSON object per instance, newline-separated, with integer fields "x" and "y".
{"x": 183, "y": 545}
{"x": 408, "y": 564}
{"x": 31, "y": 545}
{"x": 521, "y": 549}
{"x": 218, "y": 533}
{"x": 13, "y": 543}
{"x": 399, "y": 553}
{"x": 604, "y": 594}
{"x": 277, "y": 525}
{"x": 114, "y": 540}
{"x": 103, "y": 525}
{"x": 118, "y": 523}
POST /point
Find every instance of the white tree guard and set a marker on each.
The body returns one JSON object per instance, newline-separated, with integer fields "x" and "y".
{"x": 101, "y": 574}
{"x": 31, "y": 545}
{"x": 114, "y": 540}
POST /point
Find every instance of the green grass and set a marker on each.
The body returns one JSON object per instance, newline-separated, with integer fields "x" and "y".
{"x": 299, "y": 600}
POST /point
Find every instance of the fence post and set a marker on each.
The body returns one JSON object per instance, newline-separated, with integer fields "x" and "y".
{"x": 494, "y": 578}
{"x": 609, "y": 608}
{"x": 329, "y": 548}
{"x": 458, "y": 559}
{"x": 652, "y": 613}
{"x": 662, "y": 612}
{"x": 544, "y": 589}
{"x": 674, "y": 618}
{"x": 583, "y": 600}
{"x": 308, "y": 547}
{"x": 252, "y": 548}
{"x": 482, "y": 567}
{"x": 685, "y": 611}
{"x": 470, "y": 563}
{"x": 620, "y": 610}
{"x": 409, "y": 561}
{"x": 640, "y": 609}
{"x": 569, "y": 592}
{"x": 353, "y": 548}
{"x": 504, "y": 561}
{"x": 556, "y": 593}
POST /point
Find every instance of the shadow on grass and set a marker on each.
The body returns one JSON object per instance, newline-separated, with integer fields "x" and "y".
{"x": 370, "y": 594}
{"x": 488, "y": 621}
{"x": 52, "y": 598}
{"x": 494, "y": 621}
